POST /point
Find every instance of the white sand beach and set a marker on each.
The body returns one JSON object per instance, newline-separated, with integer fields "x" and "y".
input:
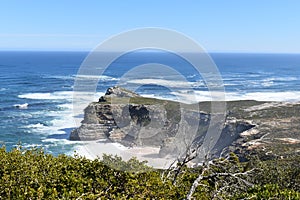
{"x": 95, "y": 149}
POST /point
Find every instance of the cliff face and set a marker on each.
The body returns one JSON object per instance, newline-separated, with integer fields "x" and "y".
{"x": 125, "y": 117}
{"x": 126, "y": 122}
{"x": 97, "y": 124}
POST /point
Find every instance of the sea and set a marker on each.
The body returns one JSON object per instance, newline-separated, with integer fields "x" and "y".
{"x": 36, "y": 88}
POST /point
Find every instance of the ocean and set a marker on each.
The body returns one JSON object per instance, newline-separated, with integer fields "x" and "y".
{"x": 36, "y": 89}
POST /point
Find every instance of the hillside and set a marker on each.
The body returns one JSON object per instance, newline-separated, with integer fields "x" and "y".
{"x": 268, "y": 128}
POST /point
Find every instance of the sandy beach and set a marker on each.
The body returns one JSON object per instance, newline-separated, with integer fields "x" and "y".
{"x": 95, "y": 149}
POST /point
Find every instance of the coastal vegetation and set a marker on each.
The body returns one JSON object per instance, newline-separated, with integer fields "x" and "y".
{"x": 33, "y": 174}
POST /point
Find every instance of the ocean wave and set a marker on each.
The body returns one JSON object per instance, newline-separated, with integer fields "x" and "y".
{"x": 66, "y": 106}
{"x": 200, "y": 96}
{"x": 68, "y": 77}
{"x": 38, "y": 125}
{"x": 21, "y": 106}
{"x": 281, "y": 79}
{"x": 61, "y": 141}
{"x": 100, "y": 78}
{"x": 48, "y": 96}
{"x": 272, "y": 81}
{"x": 43, "y": 129}
{"x": 231, "y": 84}
{"x": 267, "y": 83}
{"x": 65, "y": 122}
{"x": 63, "y": 95}
{"x": 29, "y": 146}
{"x": 288, "y": 96}
{"x": 168, "y": 83}
{"x": 260, "y": 82}
{"x": 60, "y": 122}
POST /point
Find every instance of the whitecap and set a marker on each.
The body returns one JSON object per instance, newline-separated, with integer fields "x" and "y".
{"x": 92, "y": 77}
{"x": 48, "y": 96}
{"x": 29, "y": 146}
{"x": 200, "y": 96}
{"x": 63, "y": 77}
{"x": 61, "y": 121}
{"x": 21, "y": 106}
{"x": 288, "y": 96}
{"x": 272, "y": 80}
{"x": 169, "y": 83}
{"x": 290, "y": 78}
{"x": 267, "y": 83}
{"x": 66, "y": 106}
{"x": 38, "y": 125}
{"x": 61, "y": 141}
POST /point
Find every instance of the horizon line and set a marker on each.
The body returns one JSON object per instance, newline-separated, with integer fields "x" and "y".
{"x": 89, "y": 51}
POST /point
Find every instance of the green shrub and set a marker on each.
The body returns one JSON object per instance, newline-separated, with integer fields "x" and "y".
{"x": 33, "y": 174}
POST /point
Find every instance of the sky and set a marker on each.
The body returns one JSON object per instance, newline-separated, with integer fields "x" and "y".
{"x": 269, "y": 26}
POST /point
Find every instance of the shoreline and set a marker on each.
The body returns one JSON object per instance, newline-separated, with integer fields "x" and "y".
{"x": 95, "y": 149}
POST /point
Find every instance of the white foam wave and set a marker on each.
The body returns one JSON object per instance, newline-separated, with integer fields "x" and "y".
{"x": 44, "y": 130}
{"x": 38, "y": 125}
{"x": 64, "y": 122}
{"x": 61, "y": 120}
{"x": 21, "y": 106}
{"x": 28, "y": 146}
{"x": 63, "y": 77}
{"x": 288, "y": 96}
{"x": 61, "y": 141}
{"x": 66, "y": 106}
{"x": 169, "y": 83}
{"x": 290, "y": 78}
{"x": 101, "y": 78}
{"x": 267, "y": 83}
{"x": 231, "y": 84}
{"x": 272, "y": 80}
{"x": 48, "y": 96}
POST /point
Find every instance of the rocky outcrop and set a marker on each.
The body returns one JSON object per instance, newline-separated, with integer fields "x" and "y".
{"x": 125, "y": 117}
{"x": 143, "y": 121}
{"x": 129, "y": 124}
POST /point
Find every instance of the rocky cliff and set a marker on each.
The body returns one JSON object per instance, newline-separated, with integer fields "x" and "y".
{"x": 125, "y": 117}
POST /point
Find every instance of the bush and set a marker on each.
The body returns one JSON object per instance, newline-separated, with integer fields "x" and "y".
{"x": 32, "y": 174}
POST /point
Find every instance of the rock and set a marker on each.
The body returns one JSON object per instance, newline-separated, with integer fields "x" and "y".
{"x": 128, "y": 124}
{"x": 167, "y": 147}
{"x": 120, "y": 92}
{"x": 88, "y": 132}
{"x": 117, "y": 135}
{"x": 97, "y": 124}
{"x": 169, "y": 125}
{"x": 232, "y": 131}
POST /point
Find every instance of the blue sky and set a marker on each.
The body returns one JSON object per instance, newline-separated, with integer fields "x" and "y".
{"x": 222, "y": 26}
